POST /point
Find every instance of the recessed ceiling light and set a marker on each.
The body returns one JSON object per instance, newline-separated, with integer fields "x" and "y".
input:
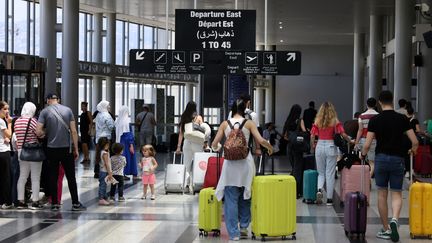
{"x": 281, "y": 41}
{"x": 280, "y": 27}
{"x": 280, "y": 22}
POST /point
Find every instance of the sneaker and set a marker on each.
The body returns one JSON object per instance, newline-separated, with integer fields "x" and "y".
{"x": 55, "y": 207}
{"x": 319, "y": 197}
{"x": 121, "y": 199}
{"x": 103, "y": 202}
{"x": 78, "y": 207}
{"x": 235, "y": 238}
{"x": 244, "y": 233}
{"x": 394, "y": 236}
{"x": 44, "y": 200}
{"x": 111, "y": 200}
{"x": 152, "y": 197}
{"x": 7, "y": 206}
{"x": 36, "y": 206}
{"x": 329, "y": 202}
{"x": 144, "y": 197}
{"x": 384, "y": 234}
{"x": 22, "y": 205}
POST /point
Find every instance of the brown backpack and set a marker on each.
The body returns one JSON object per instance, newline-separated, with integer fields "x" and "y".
{"x": 236, "y": 146}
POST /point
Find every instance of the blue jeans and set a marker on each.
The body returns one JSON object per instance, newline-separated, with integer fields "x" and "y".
{"x": 325, "y": 155}
{"x": 102, "y": 185}
{"x": 236, "y": 209}
{"x": 389, "y": 169}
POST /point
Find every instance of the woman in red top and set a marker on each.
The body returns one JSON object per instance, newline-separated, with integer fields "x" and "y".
{"x": 325, "y": 126}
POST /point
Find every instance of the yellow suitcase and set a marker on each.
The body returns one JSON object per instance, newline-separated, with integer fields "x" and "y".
{"x": 210, "y": 212}
{"x": 420, "y": 210}
{"x": 274, "y": 206}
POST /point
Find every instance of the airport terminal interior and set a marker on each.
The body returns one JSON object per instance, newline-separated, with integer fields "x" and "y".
{"x": 158, "y": 55}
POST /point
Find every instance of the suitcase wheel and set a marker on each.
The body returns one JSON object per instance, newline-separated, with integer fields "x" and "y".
{"x": 216, "y": 233}
{"x": 201, "y": 234}
{"x": 253, "y": 236}
{"x": 342, "y": 204}
{"x": 412, "y": 236}
{"x": 205, "y": 233}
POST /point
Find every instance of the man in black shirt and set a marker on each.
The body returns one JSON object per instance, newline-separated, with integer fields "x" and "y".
{"x": 389, "y": 128}
{"x": 309, "y": 116}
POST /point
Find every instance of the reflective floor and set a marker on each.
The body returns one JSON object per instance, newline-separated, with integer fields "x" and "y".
{"x": 169, "y": 218}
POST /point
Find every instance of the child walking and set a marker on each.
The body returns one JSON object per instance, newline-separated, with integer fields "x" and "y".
{"x": 105, "y": 169}
{"x": 148, "y": 165}
{"x": 118, "y": 162}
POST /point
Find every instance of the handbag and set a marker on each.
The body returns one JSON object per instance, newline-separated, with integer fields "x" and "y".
{"x": 194, "y": 135}
{"x": 298, "y": 140}
{"x": 339, "y": 140}
{"x": 33, "y": 151}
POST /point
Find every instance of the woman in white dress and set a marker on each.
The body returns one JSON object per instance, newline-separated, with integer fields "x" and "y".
{"x": 236, "y": 178}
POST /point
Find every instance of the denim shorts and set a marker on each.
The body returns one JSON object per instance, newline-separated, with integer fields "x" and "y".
{"x": 389, "y": 169}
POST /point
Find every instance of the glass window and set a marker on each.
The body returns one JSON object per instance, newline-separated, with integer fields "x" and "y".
{"x": 2, "y": 25}
{"x": 20, "y": 27}
{"x": 119, "y": 38}
{"x": 161, "y": 39}
{"x": 148, "y": 37}
{"x": 133, "y": 40}
{"x": 59, "y": 16}
{"x": 83, "y": 36}
{"x": 104, "y": 49}
{"x": 172, "y": 39}
{"x": 118, "y": 96}
{"x": 89, "y": 36}
{"x": 59, "y": 44}
{"x": 132, "y": 93}
{"x": 37, "y": 30}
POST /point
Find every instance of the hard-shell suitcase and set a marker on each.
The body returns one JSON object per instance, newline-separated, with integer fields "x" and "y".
{"x": 210, "y": 212}
{"x": 350, "y": 181}
{"x": 200, "y": 163}
{"x": 214, "y": 169}
{"x": 355, "y": 211}
{"x": 310, "y": 184}
{"x": 274, "y": 206}
{"x": 423, "y": 160}
{"x": 175, "y": 176}
{"x": 420, "y": 208}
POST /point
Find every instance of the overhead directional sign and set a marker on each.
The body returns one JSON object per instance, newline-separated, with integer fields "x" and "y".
{"x": 215, "y": 62}
{"x": 214, "y": 29}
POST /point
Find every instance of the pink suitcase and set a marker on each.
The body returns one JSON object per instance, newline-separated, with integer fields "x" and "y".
{"x": 350, "y": 181}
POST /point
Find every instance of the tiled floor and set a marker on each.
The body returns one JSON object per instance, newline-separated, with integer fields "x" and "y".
{"x": 170, "y": 218}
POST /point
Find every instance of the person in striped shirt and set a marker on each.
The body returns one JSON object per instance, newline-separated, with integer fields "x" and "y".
{"x": 27, "y": 124}
{"x": 363, "y": 122}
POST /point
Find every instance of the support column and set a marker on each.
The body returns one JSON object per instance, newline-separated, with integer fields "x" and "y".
{"x": 189, "y": 92}
{"x": 375, "y": 55}
{"x": 424, "y": 81}
{"x": 111, "y": 45}
{"x": 97, "y": 57}
{"x": 260, "y": 92}
{"x": 269, "y": 93}
{"x": 48, "y": 13}
{"x": 70, "y": 55}
{"x": 404, "y": 12}
{"x": 359, "y": 67}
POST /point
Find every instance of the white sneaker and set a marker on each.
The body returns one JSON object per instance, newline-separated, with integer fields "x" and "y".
{"x": 103, "y": 202}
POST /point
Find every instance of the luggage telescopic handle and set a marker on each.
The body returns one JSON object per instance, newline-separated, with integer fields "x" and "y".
{"x": 411, "y": 168}
{"x": 181, "y": 158}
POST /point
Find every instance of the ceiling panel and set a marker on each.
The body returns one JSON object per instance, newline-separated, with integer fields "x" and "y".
{"x": 303, "y": 21}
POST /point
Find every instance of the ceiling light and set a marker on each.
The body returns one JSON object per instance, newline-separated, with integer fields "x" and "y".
{"x": 281, "y": 41}
{"x": 280, "y": 27}
{"x": 280, "y": 22}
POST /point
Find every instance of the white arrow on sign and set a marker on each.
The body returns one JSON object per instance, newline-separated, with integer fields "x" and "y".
{"x": 291, "y": 56}
{"x": 139, "y": 55}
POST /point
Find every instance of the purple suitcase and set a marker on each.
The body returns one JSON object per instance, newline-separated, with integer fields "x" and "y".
{"x": 355, "y": 211}
{"x": 355, "y": 214}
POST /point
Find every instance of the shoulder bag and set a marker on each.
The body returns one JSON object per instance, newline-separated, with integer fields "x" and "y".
{"x": 339, "y": 140}
{"x": 33, "y": 151}
{"x": 194, "y": 132}
{"x": 298, "y": 140}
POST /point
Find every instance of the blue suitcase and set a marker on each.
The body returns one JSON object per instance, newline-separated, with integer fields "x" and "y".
{"x": 310, "y": 184}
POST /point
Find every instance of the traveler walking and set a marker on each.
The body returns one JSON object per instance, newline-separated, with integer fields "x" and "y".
{"x": 389, "y": 128}
{"x": 57, "y": 123}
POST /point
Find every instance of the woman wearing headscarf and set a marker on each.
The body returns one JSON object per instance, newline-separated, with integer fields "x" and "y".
{"x": 26, "y": 124}
{"x": 104, "y": 127}
{"x": 126, "y": 137}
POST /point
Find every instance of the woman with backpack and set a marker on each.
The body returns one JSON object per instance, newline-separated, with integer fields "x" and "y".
{"x": 238, "y": 170}
{"x": 293, "y": 125}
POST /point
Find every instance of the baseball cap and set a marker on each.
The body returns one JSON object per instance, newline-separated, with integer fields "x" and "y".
{"x": 51, "y": 96}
